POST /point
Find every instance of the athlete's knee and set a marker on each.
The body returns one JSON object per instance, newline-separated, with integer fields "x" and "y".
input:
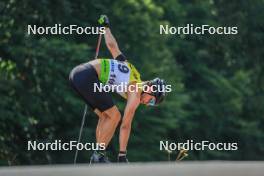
{"x": 117, "y": 116}
{"x": 113, "y": 113}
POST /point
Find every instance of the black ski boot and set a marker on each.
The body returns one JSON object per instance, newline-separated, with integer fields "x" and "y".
{"x": 99, "y": 157}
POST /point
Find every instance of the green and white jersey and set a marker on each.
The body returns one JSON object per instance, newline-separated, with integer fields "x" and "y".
{"x": 114, "y": 72}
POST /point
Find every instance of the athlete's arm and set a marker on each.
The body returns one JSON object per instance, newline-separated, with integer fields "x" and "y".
{"x": 111, "y": 43}
{"x": 110, "y": 39}
{"x": 133, "y": 100}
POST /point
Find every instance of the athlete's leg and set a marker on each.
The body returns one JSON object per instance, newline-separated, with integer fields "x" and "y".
{"x": 99, "y": 157}
{"x": 107, "y": 125}
{"x": 99, "y": 123}
{"x": 83, "y": 78}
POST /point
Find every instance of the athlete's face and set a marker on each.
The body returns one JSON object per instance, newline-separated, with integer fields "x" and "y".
{"x": 147, "y": 99}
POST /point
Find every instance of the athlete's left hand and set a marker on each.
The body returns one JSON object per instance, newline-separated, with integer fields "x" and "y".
{"x": 104, "y": 21}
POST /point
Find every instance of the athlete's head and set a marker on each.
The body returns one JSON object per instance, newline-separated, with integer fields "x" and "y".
{"x": 154, "y": 93}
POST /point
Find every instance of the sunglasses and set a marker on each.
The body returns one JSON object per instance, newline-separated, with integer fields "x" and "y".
{"x": 152, "y": 101}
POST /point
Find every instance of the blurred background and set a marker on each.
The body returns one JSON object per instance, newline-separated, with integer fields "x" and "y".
{"x": 217, "y": 80}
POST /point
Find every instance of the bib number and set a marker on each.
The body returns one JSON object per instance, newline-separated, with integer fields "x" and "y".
{"x": 112, "y": 79}
{"x": 123, "y": 68}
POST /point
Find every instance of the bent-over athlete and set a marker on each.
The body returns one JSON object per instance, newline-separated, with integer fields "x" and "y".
{"x": 117, "y": 71}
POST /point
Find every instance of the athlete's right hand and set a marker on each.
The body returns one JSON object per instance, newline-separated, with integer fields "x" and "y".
{"x": 104, "y": 21}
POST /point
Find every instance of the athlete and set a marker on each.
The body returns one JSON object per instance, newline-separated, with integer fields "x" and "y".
{"x": 117, "y": 71}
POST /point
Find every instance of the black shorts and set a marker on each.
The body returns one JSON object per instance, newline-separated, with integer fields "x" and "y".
{"x": 82, "y": 79}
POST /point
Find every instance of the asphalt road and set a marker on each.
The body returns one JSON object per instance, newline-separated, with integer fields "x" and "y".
{"x": 215, "y": 168}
